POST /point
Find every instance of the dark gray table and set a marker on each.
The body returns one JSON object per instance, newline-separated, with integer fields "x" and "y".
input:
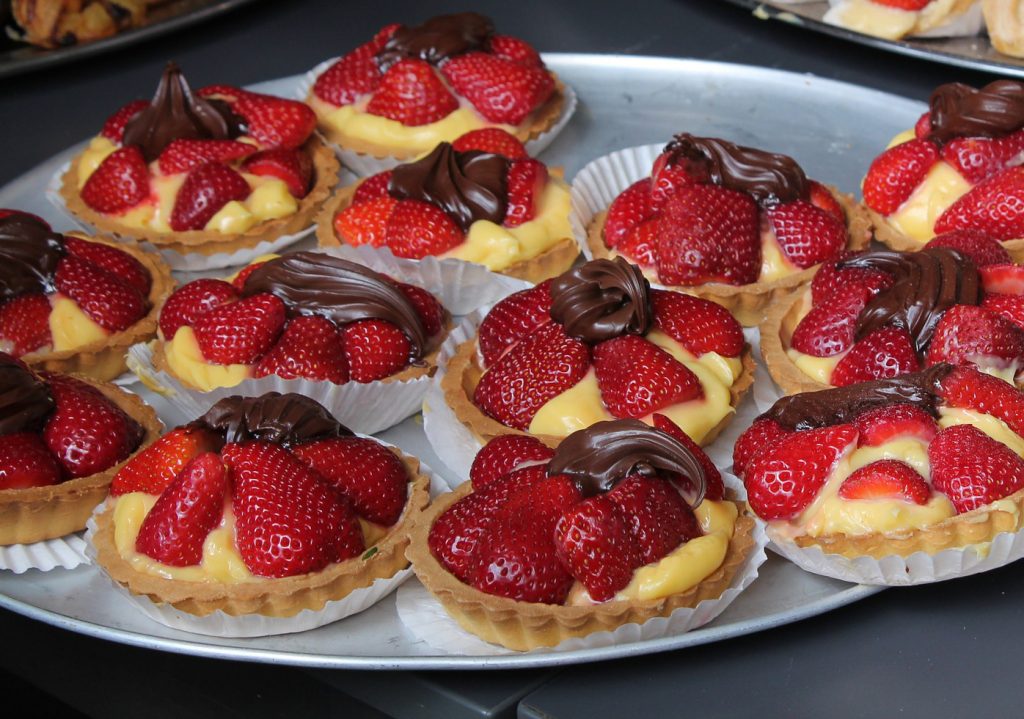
{"x": 945, "y": 650}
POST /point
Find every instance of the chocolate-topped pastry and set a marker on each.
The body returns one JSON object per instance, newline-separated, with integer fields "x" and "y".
{"x": 25, "y": 400}
{"x": 29, "y": 254}
{"x": 437, "y": 39}
{"x": 602, "y": 299}
{"x": 273, "y": 417}
{"x": 959, "y": 110}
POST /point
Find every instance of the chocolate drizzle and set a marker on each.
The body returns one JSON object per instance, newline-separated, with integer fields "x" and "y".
{"x": 314, "y": 283}
{"x": 605, "y": 453}
{"x": 29, "y": 254}
{"x": 959, "y": 110}
{"x": 438, "y": 39}
{"x": 469, "y": 186}
{"x": 25, "y": 400}
{"x": 279, "y": 418}
{"x": 176, "y": 114}
{"x": 927, "y": 283}
{"x": 602, "y": 299}
{"x": 768, "y": 177}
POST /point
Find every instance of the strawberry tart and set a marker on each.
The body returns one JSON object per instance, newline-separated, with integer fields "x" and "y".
{"x": 594, "y": 344}
{"x": 263, "y": 505}
{"x": 876, "y": 315}
{"x": 215, "y": 171}
{"x": 897, "y": 19}
{"x": 481, "y": 199}
{"x": 736, "y": 225}
{"x": 62, "y": 439}
{"x": 409, "y": 88}
{"x": 958, "y": 168}
{"x": 70, "y": 303}
{"x": 622, "y": 523}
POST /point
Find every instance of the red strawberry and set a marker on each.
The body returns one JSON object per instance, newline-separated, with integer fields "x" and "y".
{"x": 416, "y": 229}
{"x": 411, "y": 93}
{"x": 828, "y": 279}
{"x": 761, "y": 436}
{"x": 976, "y": 245}
{"x": 821, "y": 197}
{"x": 504, "y": 454}
{"x": 370, "y": 475}
{"x": 714, "y": 490}
{"x": 190, "y": 302}
{"x": 667, "y": 176}
{"x": 629, "y": 209}
{"x": 87, "y": 432}
{"x": 594, "y": 543}
{"x": 26, "y": 462}
{"x": 657, "y": 516}
{"x": 4, "y": 212}
{"x": 894, "y": 421}
{"x": 512, "y": 319}
{"x": 501, "y": 90}
{"x": 698, "y": 325}
{"x": 829, "y": 327}
{"x": 895, "y": 174}
{"x": 240, "y": 332}
{"x": 526, "y": 181}
{"x": 787, "y": 477}
{"x": 243, "y": 275}
{"x": 116, "y": 262}
{"x": 365, "y": 223}
{"x": 494, "y": 140}
{"x": 972, "y": 469}
{"x": 1009, "y": 306}
{"x": 205, "y": 190}
{"x": 431, "y": 311}
{"x": 113, "y": 128}
{"x": 310, "y": 348}
{"x": 641, "y": 243}
{"x": 274, "y": 121}
{"x": 911, "y": 5}
{"x": 25, "y": 323}
{"x": 709, "y": 234}
{"x": 923, "y": 126}
{"x": 886, "y": 479}
{"x": 636, "y": 377}
{"x": 372, "y": 187}
{"x": 978, "y": 158}
{"x": 514, "y": 49}
{"x": 967, "y": 388}
{"x": 293, "y": 167}
{"x": 185, "y": 155}
{"x": 120, "y": 182}
{"x": 289, "y": 521}
{"x": 107, "y": 300}
{"x": 806, "y": 234}
{"x": 353, "y": 75}
{"x": 376, "y": 349}
{"x": 966, "y": 333}
{"x": 155, "y": 467}
{"x": 543, "y": 365}
{"x": 1003, "y": 278}
{"x": 886, "y": 352}
{"x": 186, "y": 512}
{"x": 995, "y": 206}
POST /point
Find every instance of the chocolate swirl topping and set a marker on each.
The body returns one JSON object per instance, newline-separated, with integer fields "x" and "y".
{"x": 176, "y": 114}
{"x": 605, "y": 453}
{"x": 469, "y": 186}
{"x": 768, "y": 177}
{"x": 25, "y": 400}
{"x": 959, "y": 110}
{"x": 314, "y": 283}
{"x": 29, "y": 254}
{"x": 274, "y": 417}
{"x": 927, "y": 283}
{"x": 811, "y": 410}
{"x": 602, "y": 299}
{"x": 438, "y": 39}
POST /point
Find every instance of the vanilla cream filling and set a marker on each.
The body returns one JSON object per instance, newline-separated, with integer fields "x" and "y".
{"x": 939, "y": 189}
{"x": 70, "y": 327}
{"x": 186, "y": 361}
{"x": 994, "y": 427}
{"x": 873, "y": 19}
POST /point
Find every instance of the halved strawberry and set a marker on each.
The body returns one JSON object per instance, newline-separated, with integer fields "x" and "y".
{"x": 120, "y": 182}
{"x": 640, "y": 243}
{"x": 972, "y": 469}
{"x": 504, "y": 454}
{"x": 501, "y": 90}
{"x": 110, "y": 303}
{"x": 667, "y": 176}
{"x": 828, "y": 279}
{"x": 365, "y": 223}
{"x": 239, "y": 280}
{"x": 886, "y": 479}
{"x": 911, "y": 5}
{"x": 594, "y": 543}
{"x": 190, "y": 302}
{"x": 697, "y": 324}
{"x": 895, "y": 174}
{"x": 309, "y": 348}
{"x": 431, "y": 312}
{"x": 275, "y": 121}
{"x": 978, "y": 158}
{"x": 968, "y": 388}
{"x": 25, "y": 323}
{"x": 821, "y": 197}
{"x": 886, "y": 352}
{"x": 25, "y": 462}
{"x": 526, "y": 181}
{"x": 967, "y": 333}
{"x": 658, "y": 518}
{"x": 184, "y": 155}
{"x": 372, "y": 187}
{"x": 512, "y": 319}
{"x": 155, "y": 467}
{"x": 763, "y": 435}
{"x": 714, "y": 489}
{"x": 829, "y": 328}
{"x": 118, "y": 263}
{"x": 494, "y": 140}
{"x": 240, "y": 332}
{"x": 994, "y": 206}
{"x": 514, "y": 49}
{"x": 293, "y": 167}
{"x": 1007, "y": 279}
{"x": 411, "y": 93}
{"x": 976, "y": 245}
{"x": 113, "y": 128}
{"x": 806, "y": 234}
{"x": 636, "y": 377}
{"x": 350, "y": 77}
{"x": 204, "y": 192}
{"x": 892, "y": 422}
{"x": 416, "y": 229}
{"x": 629, "y": 209}
{"x": 376, "y": 349}
{"x": 1009, "y": 306}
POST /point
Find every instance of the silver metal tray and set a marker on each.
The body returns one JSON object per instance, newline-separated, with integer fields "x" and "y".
{"x": 832, "y": 128}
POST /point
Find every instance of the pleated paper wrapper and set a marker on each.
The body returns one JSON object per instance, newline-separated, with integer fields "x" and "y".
{"x": 66, "y": 552}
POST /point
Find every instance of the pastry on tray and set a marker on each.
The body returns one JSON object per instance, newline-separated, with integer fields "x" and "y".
{"x": 622, "y": 523}
{"x": 897, "y": 19}
{"x": 71, "y": 303}
{"x": 62, "y": 23}
{"x": 481, "y": 198}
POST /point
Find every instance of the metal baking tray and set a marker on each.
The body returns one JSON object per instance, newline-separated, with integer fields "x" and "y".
{"x": 834, "y": 129}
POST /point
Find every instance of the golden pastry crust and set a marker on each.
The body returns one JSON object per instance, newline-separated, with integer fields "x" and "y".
{"x": 524, "y": 625}
{"x": 206, "y": 242}
{"x": 38, "y": 513}
{"x": 1005, "y": 24}
{"x": 104, "y": 359}
{"x": 283, "y": 597}
{"x": 888, "y": 236}
{"x": 60, "y": 23}
{"x": 748, "y": 303}
{"x": 463, "y": 373}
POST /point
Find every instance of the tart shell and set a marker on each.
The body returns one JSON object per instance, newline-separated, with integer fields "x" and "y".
{"x": 776, "y": 330}
{"x": 888, "y": 236}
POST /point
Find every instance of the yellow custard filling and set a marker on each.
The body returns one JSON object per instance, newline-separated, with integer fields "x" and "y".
{"x": 873, "y": 19}
{"x": 941, "y": 187}
{"x": 70, "y": 327}
{"x": 186, "y": 361}
{"x": 994, "y": 427}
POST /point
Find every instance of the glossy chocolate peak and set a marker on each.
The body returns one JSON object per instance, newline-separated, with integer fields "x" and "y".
{"x": 25, "y": 400}
{"x": 176, "y": 114}
{"x": 927, "y": 283}
{"x": 29, "y": 254}
{"x": 958, "y": 110}
{"x": 314, "y": 283}
{"x": 469, "y": 186}
{"x": 438, "y": 39}
{"x": 768, "y": 177}
{"x": 602, "y": 299}
{"x": 811, "y": 410}
{"x": 274, "y": 417}
{"x": 605, "y": 453}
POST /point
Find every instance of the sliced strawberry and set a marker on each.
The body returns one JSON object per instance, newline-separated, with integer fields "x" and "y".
{"x": 807, "y": 235}
{"x": 923, "y": 126}
{"x": 895, "y": 174}
{"x": 667, "y": 176}
{"x": 416, "y": 229}
{"x": 967, "y": 388}
{"x": 512, "y": 319}
{"x": 493, "y": 140}
{"x": 309, "y": 348}
{"x": 5, "y": 212}
{"x": 830, "y": 326}
{"x": 885, "y": 353}
{"x": 594, "y": 543}
{"x": 365, "y": 223}
{"x": 411, "y": 93}
{"x": 657, "y": 516}
{"x": 886, "y": 479}
{"x": 994, "y": 206}
{"x": 504, "y": 454}
{"x": 372, "y": 188}
{"x": 155, "y": 467}
{"x": 186, "y": 512}
{"x": 110, "y": 303}
{"x": 25, "y": 323}
{"x": 967, "y": 333}
{"x": 636, "y": 377}
{"x": 501, "y": 90}
{"x": 978, "y": 158}
{"x": 190, "y": 302}
{"x": 275, "y": 121}
{"x": 205, "y": 190}
{"x": 892, "y": 422}
{"x": 185, "y": 155}
{"x": 516, "y": 50}
{"x": 431, "y": 311}
{"x": 526, "y": 181}
{"x": 113, "y": 128}
{"x": 828, "y": 279}
{"x": 698, "y": 325}
{"x": 26, "y": 462}
{"x": 976, "y": 245}
{"x": 629, "y": 209}
{"x": 350, "y": 77}
{"x": 1007, "y": 279}
{"x": 972, "y": 469}
{"x": 116, "y": 262}
{"x": 640, "y": 245}
{"x": 763, "y": 435}
{"x": 715, "y": 489}
{"x": 243, "y": 275}
{"x": 376, "y": 349}
{"x": 911, "y": 5}
{"x": 240, "y": 332}
{"x": 1009, "y": 306}
{"x": 543, "y": 365}
{"x": 119, "y": 183}
{"x": 821, "y": 197}
{"x": 293, "y": 167}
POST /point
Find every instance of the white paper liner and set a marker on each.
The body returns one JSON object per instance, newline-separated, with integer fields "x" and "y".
{"x": 365, "y": 165}
{"x": 966, "y": 24}
{"x": 67, "y": 552}
{"x": 190, "y": 262}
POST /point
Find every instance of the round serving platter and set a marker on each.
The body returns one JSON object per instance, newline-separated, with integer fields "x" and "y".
{"x": 832, "y": 128}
